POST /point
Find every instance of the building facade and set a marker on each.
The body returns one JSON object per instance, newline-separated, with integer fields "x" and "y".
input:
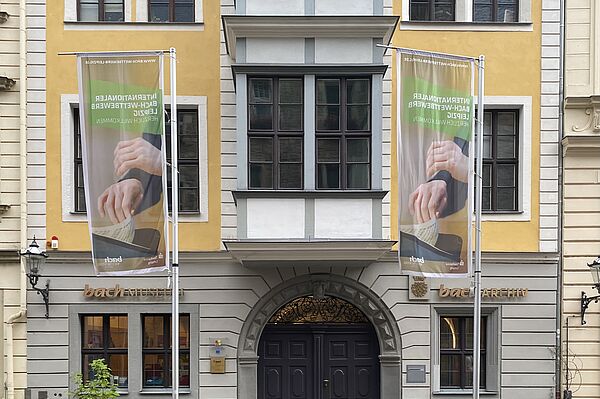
{"x": 288, "y": 266}
{"x": 581, "y": 182}
{"x": 19, "y": 43}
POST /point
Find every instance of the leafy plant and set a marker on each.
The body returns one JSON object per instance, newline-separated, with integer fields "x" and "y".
{"x": 101, "y": 386}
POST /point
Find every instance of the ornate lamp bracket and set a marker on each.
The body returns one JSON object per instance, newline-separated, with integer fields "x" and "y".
{"x": 585, "y": 303}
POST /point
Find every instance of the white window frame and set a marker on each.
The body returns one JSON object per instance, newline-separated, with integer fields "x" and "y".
{"x": 141, "y": 12}
{"x": 493, "y": 344}
{"x": 464, "y": 14}
{"x": 71, "y": 11}
{"x": 523, "y": 104}
{"x": 70, "y": 101}
{"x": 137, "y": 22}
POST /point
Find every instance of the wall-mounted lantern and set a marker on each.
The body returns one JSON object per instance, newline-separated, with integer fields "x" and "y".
{"x": 35, "y": 259}
{"x": 586, "y": 300}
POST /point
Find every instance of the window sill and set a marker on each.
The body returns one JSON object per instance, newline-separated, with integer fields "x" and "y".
{"x": 501, "y": 212}
{"x": 373, "y": 194}
{"x": 164, "y": 391}
{"x": 107, "y": 25}
{"x": 81, "y": 217}
{"x": 505, "y": 216}
{"x": 463, "y": 392}
{"x": 467, "y": 26}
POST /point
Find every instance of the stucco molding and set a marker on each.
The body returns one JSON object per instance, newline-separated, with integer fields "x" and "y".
{"x": 329, "y": 285}
{"x": 9, "y": 256}
{"x": 591, "y": 107}
{"x": 573, "y": 145}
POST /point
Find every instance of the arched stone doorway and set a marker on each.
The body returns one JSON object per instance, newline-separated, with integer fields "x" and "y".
{"x": 318, "y": 348}
{"x": 320, "y": 286}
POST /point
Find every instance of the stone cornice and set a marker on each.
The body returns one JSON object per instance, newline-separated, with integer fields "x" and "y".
{"x": 241, "y": 26}
{"x": 81, "y": 257}
{"x": 9, "y": 256}
{"x": 581, "y": 144}
{"x": 348, "y": 253}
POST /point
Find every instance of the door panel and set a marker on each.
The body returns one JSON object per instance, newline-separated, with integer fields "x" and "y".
{"x": 352, "y": 364}
{"x": 318, "y": 362}
{"x": 290, "y": 353}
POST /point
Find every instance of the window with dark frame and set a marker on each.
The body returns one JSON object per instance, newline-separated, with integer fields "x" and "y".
{"x": 456, "y": 352}
{"x": 188, "y": 161}
{"x": 432, "y": 10}
{"x": 275, "y": 133}
{"x": 500, "y": 191}
{"x": 78, "y": 164}
{"x": 343, "y": 133}
{"x": 156, "y": 350}
{"x": 171, "y": 11}
{"x": 100, "y": 10}
{"x": 495, "y": 10}
{"x": 104, "y": 336}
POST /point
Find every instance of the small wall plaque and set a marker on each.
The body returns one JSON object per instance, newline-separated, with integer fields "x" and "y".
{"x": 415, "y": 374}
{"x": 418, "y": 288}
{"x": 217, "y": 365}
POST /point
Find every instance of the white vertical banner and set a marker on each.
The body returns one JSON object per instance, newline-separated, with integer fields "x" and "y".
{"x": 122, "y": 147}
{"x": 435, "y": 149}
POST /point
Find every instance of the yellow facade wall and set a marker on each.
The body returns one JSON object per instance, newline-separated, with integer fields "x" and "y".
{"x": 512, "y": 68}
{"x": 197, "y": 75}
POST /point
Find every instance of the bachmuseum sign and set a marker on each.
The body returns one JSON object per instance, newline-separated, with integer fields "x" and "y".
{"x": 119, "y": 292}
{"x": 445, "y": 292}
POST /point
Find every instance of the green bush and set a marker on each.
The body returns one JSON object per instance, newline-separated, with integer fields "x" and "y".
{"x": 100, "y": 387}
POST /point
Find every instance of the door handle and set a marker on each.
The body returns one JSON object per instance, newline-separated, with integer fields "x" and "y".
{"x": 325, "y": 383}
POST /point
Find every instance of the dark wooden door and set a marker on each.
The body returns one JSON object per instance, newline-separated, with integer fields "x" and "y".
{"x": 318, "y": 362}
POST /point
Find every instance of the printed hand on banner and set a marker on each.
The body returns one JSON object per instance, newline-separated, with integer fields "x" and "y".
{"x": 137, "y": 154}
{"x": 120, "y": 200}
{"x": 446, "y": 155}
{"x": 428, "y": 201}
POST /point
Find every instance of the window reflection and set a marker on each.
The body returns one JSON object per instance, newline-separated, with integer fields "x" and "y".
{"x": 157, "y": 352}
{"x": 105, "y": 337}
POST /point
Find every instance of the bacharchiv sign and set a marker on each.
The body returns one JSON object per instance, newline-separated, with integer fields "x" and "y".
{"x": 119, "y": 292}
{"x": 445, "y": 292}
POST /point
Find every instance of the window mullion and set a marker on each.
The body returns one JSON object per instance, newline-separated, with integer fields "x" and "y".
{"x": 106, "y": 335}
{"x": 343, "y": 127}
{"x": 276, "y": 168}
{"x": 430, "y": 10}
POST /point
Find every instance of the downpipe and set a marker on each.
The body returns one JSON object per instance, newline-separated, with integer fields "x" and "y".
{"x": 12, "y": 319}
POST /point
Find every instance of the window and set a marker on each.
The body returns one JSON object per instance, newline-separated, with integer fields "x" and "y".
{"x": 100, "y": 10}
{"x": 456, "y": 352}
{"x": 432, "y": 10}
{"x": 105, "y": 337}
{"x": 343, "y": 133}
{"x": 171, "y": 10}
{"x": 275, "y": 133}
{"x": 156, "y": 350}
{"x": 188, "y": 161}
{"x": 500, "y": 161}
{"x": 78, "y": 167}
{"x": 495, "y": 10}
{"x": 492, "y": 15}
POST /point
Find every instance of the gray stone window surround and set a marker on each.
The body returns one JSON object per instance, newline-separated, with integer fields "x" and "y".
{"x": 494, "y": 335}
{"x": 134, "y": 338}
{"x": 309, "y": 126}
{"x": 347, "y": 289}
